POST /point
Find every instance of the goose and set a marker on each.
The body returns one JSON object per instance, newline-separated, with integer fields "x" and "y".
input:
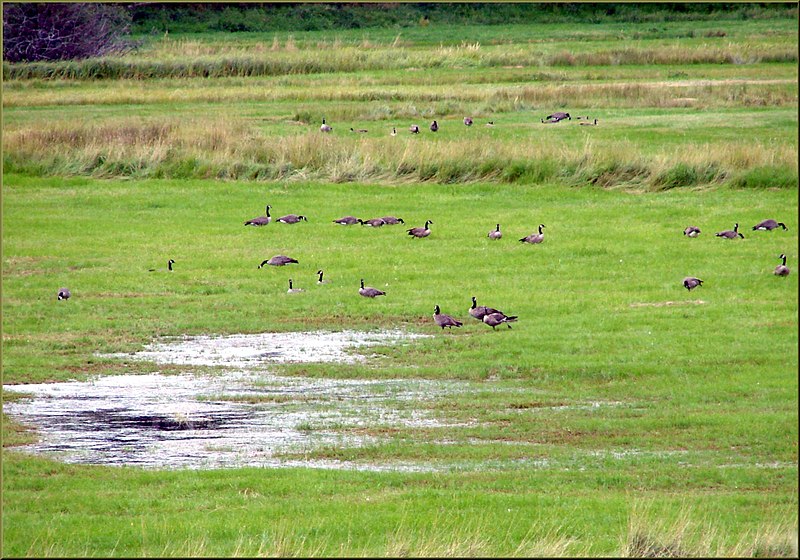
{"x": 292, "y": 219}
{"x": 370, "y": 292}
{"x": 782, "y": 269}
{"x": 730, "y": 234}
{"x": 691, "y": 231}
{"x": 468, "y": 121}
{"x": 589, "y": 123}
{"x": 393, "y": 132}
{"x": 490, "y": 123}
{"x": 434, "y": 126}
{"x": 169, "y": 266}
{"x": 293, "y": 290}
{"x": 347, "y": 221}
{"x": 768, "y": 225}
{"x": 421, "y": 231}
{"x": 325, "y": 127}
{"x": 444, "y": 320}
{"x": 360, "y": 130}
{"x": 374, "y": 222}
{"x": 496, "y": 234}
{"x": 559, "y": 116}
{"x": 494, "y": 319}
{"x": 480, "y": 311}
{"x": 392, "y": 221}
{"x": 279, "y": 260}
{"x": 320, "y": 280}
{"x": 260, "y": 220}
{"x": 413, "y": 129}
{"x": 534, "y": 237}
{"x": 690, "y": 283}
{"x": 64, "y": 293}
{"x": 583, "y": 117}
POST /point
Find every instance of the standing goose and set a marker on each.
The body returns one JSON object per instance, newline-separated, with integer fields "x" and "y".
{"x": 768, "y": 225}
{"x": 690, "y": 283}
{"x": 260, "y": 220}
{"x": 730, "y": 233}
{"x": 413, "y": 129}
{"x": 325, "y": 127}
{"x": 392, "y": 221}
{"x": 421, "y": 231}
{"x": 468, "y": 121}
{"x": 292, "y": 219}
{"x": 782, "y": 269}
{"x": 534, "y": 237}
{"x": 347, "y": 221}
{"x": 64, "y": 293}
{"x": 370, "y": 292}
{"x": 279, "y": 260}
{"x": 374, "y": 222}
{"x": 480, "y": 311}
{"x": 293, "y": 290}
{"x": 496, "y": 234}
{"x": 320, "y": 280}
{"x": 434, "y": 126}
{"x": 444, "y": 320}
{"x": 691, "y": 231}
{"x": 494, "y": 319}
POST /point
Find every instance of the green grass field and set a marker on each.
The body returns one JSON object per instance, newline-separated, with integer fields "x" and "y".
{"x": 622, "y": 415}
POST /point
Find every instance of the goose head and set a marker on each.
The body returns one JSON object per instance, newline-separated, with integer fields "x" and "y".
{"x": 436, "y": 310}
{"x": 170, "y": 263}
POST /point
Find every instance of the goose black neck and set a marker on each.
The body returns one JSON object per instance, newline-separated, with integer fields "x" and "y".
{"x": 474, "y": 303}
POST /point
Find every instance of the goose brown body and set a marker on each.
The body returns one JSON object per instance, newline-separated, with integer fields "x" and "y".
{"x": 370, "y": 292}
{"x": 279, "y": 260}
{"x": 444, "y": 320}
{"x": 424, "y": 231}
{"x": 260, "y": 220}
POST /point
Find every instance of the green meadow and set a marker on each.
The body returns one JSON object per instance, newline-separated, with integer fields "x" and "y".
{"x": 622, "y": 415}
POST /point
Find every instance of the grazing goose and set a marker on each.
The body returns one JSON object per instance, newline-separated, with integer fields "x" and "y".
{"x": 534, "y": 237}
{"x": 690, "y": 283}
{"x": 64, "y": 293}
{"x": 782, "y": 269}
{"x": 361, "y": 130}
{"x": 374, "y": 222}
{"x": 370, "y": 292}
{"x": 413, "y": 129}
{"x": 691, "y": 231}
{"x": 392, "y": 221}
{"x": 393, "y": 132}
{"x": 559, "y": 116}
{"x": 279, "y": 260}
{"x": 496, "y": 234}
{"x": 320, "y": 280}
{"x": 768, "y": 225}
{"x": 589, "y": 123}
{"x": 434, "y": 126}
{"x": 293, "y": 290}
{"x": 260, "y": 220}
{"x": 325, "y": 127}
{"x": 730, "y": 233}
{"x": 444, "y": 320}
{"x": 347, "y": 221}
{"x": 468, "y": 121}
{"x": 292, "y": 219}
{"x": 480, "y": 311}
{"x": 169, "y": 266}
{"x": 421, "y": 231}
{"x": 494, "y": 319}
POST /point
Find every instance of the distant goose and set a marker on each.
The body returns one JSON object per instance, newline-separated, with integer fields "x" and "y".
{"x": 393, "y": 132}
{"x": 480, "y": 311}
{"x": 559, "y": 116}
{"x": 325, "y": 127}
{"x": 534, "y": 237}
{"x": 495, "y": 234}
{"x": 320, "y": 280}
{"x": 374, "y": 222}
{"x": 370, "y": 292}
{"x": 421, "y": 231}
{"x": 444, "y": 320}
{"x": 347, "y": 221}
{"x": 292, "y": 219}
{"x": 293, "y": 290}
{"x": 494, "y": 319}
{"x": 468, "y": 121}
{"x": 279, "y": 260}
{"x": 361, "y": 130}
{"x": 490, "y": 123}
{"x": 392, "y": 221}
{"x": 690, "y": 283}
{"x": 64, "y": 293}
{"x": 730, "y": 233}
{"x": 768, "y": 225}
{"x": 583, "y": 117}
{"x": 691, "y": 231}
{"x": 169, "y": 266}
{"x": 782, "y": 269}
{"x": 434, "y": 126}
{"x": 413, "y": 129}
{"x": 261, "y": 220}
{"x": 589, "y": 123}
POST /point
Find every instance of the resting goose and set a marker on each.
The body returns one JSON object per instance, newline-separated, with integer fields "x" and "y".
{"x": 260, "y": 220}
{"x": 279, "y": 260}
{"x": 370, "y": 292}
{"x": 494, "y": 319}
{"x": 392, "y": 221}
{"x": 421, "y": 231}
{"x": 768, "y": 225}
{"x": 64, "y": 293}
{"x": 490, "y": 123}
{"x": 730, "y": 233}
{"x": 169, "y": 266}
{"x": 480, "y": 311}
{"x": 589, "y": 123}
{"x": 413, "y": 129}
{"x": 782, "y": 269}
{"x": 374, "y": 222}
{"x": 468, "y": 121}
{"x": 325, "y": 127}
{"x": 559, "y": 116}
{"x": 691, "y": 231}
{"x": 434, "y": 126}
{"x": 292, "y": 219}
{"x": 393, "y": 132}
{"x": 444, "y": 320}
{"x": 690, "y": 283}
{"x": 347, "y": 221}
{"x": 360, "y": 130}
{"x": 496, "y": 234}
{"x": 534, "y": 237}
{"x": 293, "y": 290}
{"x": 320, "y": 280}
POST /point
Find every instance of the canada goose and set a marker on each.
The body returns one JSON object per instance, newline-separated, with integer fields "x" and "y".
{"x": 782, "y": 269}
{"x": 496, "y": 234}
{"x": 374, "y": 222}
{"x": 392, "y": 221}
{"x": 589, "y": 123}
{"x": 444, "y": 320}
{"x": 293, "y": 290}
{"x": 260, "y": 220}
{"x": 534, "y": 237}
{"x": 730, "y": 234}
{"x": 768, "y": 225}
{"x": 347, "y": 221}
{"x": 370, "y": 292}
{"x": 64, "y": 293}
{"x": 393, "y": 132}
{"x": 413, "y": 129}
{"x": 421, "y": 231}
{"x": 494, "y": 319}
{"x": 480, "y": 311}
{"x": 691, "y": 231}
{"x": 583, "y": 117}
{"x": 279, "y": 260}
{"x": 361, "y": 130}
{"x": 169, "y": 266}
{"x": 490, "y": 123}
{"x": 559, "y": 116}
{"x": 325, "y": 127}
{"x": 291, "y": 219}
{"x": 434, "y": 126}
{"x": 468, "y": 121}
{"x": 320, "y": 280}
{"x": 690, "y": 283}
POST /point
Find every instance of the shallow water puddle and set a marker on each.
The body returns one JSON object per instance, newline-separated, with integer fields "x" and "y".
{"x": 244, "y": 416}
